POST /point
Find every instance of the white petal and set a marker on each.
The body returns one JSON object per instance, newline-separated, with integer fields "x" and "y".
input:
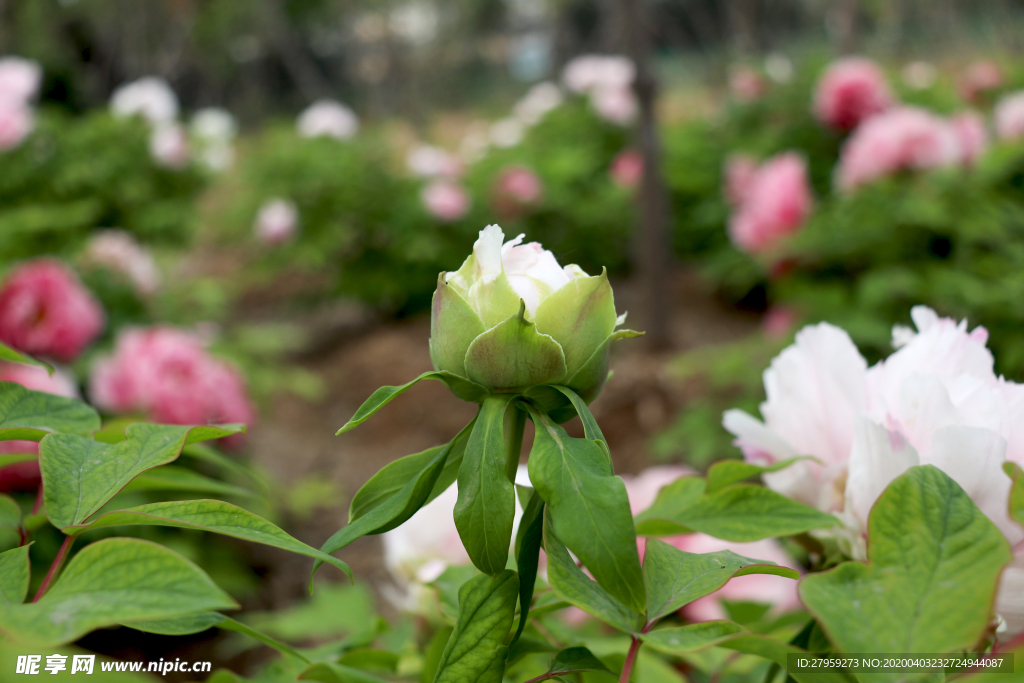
{"x": 507, "y": 247}
{"x": 487, "y": 250}
{"x": 878, "y": 456}
{"x": 1010, "y": 598}
{"x": 760, "y": 445}
{"x": 621, "y": 320}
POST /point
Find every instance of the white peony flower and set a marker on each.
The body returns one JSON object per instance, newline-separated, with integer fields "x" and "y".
{"x": 327, "y": 118}
{"x": 19, "y": 79}
{"x": 149, "y": 97}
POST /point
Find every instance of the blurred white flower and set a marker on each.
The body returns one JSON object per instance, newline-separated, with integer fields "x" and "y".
{"x": 537, "y": 102}
{"x": 616, "y": 105}
{"x": 119, "y": 252}
{"x": 168, "y": 143}
{"x": 919, "y": 75}
{"x": 475, "y": 142}
{"x": 1009, "y": 116}
{"x": 277, "y": 221}
{"x": 587, "y": 73}
{"x": 327, "y": 118}
{"x": 428, "y": 161}
{"x": 507, "y": 132}
{"x": 779, "y": 67}
{"x": 19, "y": 79}
{"x": 214, "y": 124}
{"x": 415, "y": 22}
{"x": 149, "y": 97}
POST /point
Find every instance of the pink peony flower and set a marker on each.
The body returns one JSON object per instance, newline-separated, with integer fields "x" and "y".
{"x": 277, "y": 221}
{"x": 980, "y": 78}
{"x": 150, "y": 97}
{"x": 851, "y": 90}
{"x": 119, "y": 252}
{"x": 1009, "y": 116}
{"x": 540, "y": 99}
{"x": 517, "y": 189}
{"x": 740, "y": 171}
{"x": 427, "y": 161}
{"x": 776, "y": 204}
{"x": 627, "y": 169}
{"x": 45, "y": 311}
{"x": 168, "y": 375}
{"x": 904, "y": 138}
{"x": 168, "y": 143}
{"x": 746, "y": 84}
{"x": 19, "y": 79}
{"x": 778, "y": 321}
{"x": 971, "y": 135}
{"x": 327, "y": 118}
{"x": 16, "y": 122}
{"x": 587, "y": 73}
{"x": 446, "y": 201}
{"x": 616, "y": 105}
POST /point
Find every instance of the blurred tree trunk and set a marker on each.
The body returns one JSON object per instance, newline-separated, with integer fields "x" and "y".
{"x": 742, "y": 17}
{"x": 297, "y": 62}
{"x": 842, "y": 25}
{"x": 653, "y": 252}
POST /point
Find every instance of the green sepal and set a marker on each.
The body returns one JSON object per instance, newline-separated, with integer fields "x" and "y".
{"x": 579, "y": 315}
{"x": 590, "y": 379}
{"x": 1016, "y": 474}
{"x": 453, "y": 327}
{"x": 514, "y": 355}
{"x": 485, "y": 510}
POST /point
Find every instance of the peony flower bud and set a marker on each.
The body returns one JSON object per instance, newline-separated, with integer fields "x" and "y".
{"x": 512, "y": 318}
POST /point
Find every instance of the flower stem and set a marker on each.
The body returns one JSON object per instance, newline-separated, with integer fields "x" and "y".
{"x": 55, "y": 567}
{"x": 38, "y": 504}
{"x": 627, "y": 668}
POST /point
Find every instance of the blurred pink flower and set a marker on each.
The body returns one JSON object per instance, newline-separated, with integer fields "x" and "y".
{"x": 778, "y": 321}
{"x": 627, "y": 169}
{"x": 427, "y": 161}
{"x": 168, "y": 375}
{"x": 446, "y": 201}
{"x": 903, "y": 138}
{"x": 45, "y": 311}
{"x": 740, "y": 171}
{"x": 35, "y": 378}
{"x": 1009, "y": 116}
{"x": 586, "y": 73}
{"x": 16, "y": 122}
{"x": 615, "y": 105}
{"x": 168, "y": 143}
{"x": 971, "y": 134}
{"x": 19, "y": 79}
{"x": 516, "y": 189}
{"x": 980, "y": 78}
{"x": 643, "y": 488}
{"x": 746, "y": 84}
{"x": 851, "y": 90}
{"x": 776, "y": 204}
{"x": 327, "y": 118}
{"x": 277, "y": 221}
{"x": 119, "y": 252}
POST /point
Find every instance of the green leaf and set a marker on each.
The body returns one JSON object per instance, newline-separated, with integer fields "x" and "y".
{"x": 214, "y": 516}
{"x": 740, "y": 513}
{"x": 31, "y": 415}
{"x": 230, "y": 624}
{"x": 10, "y": 513}
{"x": 81, "y": 475}
{"x": 675, "y": 578}
{"x": 572, "y": 585}
{"x": 590, "y": 428}
{"x": 588, "y": 507}
{"x": 577, "y": 660}
{"x": 460, "y": 386}
{"x": 513, "y": 354}
{"x": 329, "y": 672}
{"x": 777, "y": 652}
{"x": 13, "y": 356}
{"x": 1016, "y": 474}
{"x": 476, "y": 650}
{"x": 179, "y": 626}
{"x": 110, "y": 582}
{"x": 590, "y": 379}
{"x": 934, "y": 561}
{"x": 401, "y": 505}
{"x": 528, "y": 543}
{"x": 173, "y": 478}
{"x": 486, "y": 507}
{"x": 394, "y": 476}
{"x": 726, "y": 472}
{"x": 205, "y": 453}
{"x": 14, "y": 575}
{"x": 680, "y": 640}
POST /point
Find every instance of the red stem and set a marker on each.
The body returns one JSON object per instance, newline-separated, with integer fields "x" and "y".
{"x": 38, "y": 505}
{"x": 55, "y": 567}
{"x": 627, "y": 668}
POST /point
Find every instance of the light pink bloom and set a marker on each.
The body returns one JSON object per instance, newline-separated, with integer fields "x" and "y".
{"x": 36, "y": 378}
{"x": 327, "y": 118}
{"x": 1010, "y": 598}
{"x": 740, "y": 171}
{"x": 168, "y": 143}
{"x": 169, "y": 376}
{"x": 446, "y": 201}
{"x": 506, "y": 132}
{"x": 746, "y": 84}
{"x": 45, "y": 311}
{"x": 16, "y": 122}
{"x": 150, "y": 97}
{"x": 776, "y": 204}
{"x": 971, "y": 134}
{"x": 591, "y": 72}
{"x": 851, "y": 90}
{"x": 627, "y": 169}
{"x": 19, "y": 79}
{"x": 427, "y": 161}
{"x": 517, "y": 189}
{"x": 980, "y": 78}
{"x": 778, "y": 321}
{"x": 540, "y": 99}
{"x": 277, "y": 221}
{"x": 1009, "y": 116}
{"x": 616, "y": 105}
{"x": 119, "y": 252}
{"x": 903, "y": 138}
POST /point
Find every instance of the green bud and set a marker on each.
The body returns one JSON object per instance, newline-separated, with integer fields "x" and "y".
{"x": 511, "y": 318}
